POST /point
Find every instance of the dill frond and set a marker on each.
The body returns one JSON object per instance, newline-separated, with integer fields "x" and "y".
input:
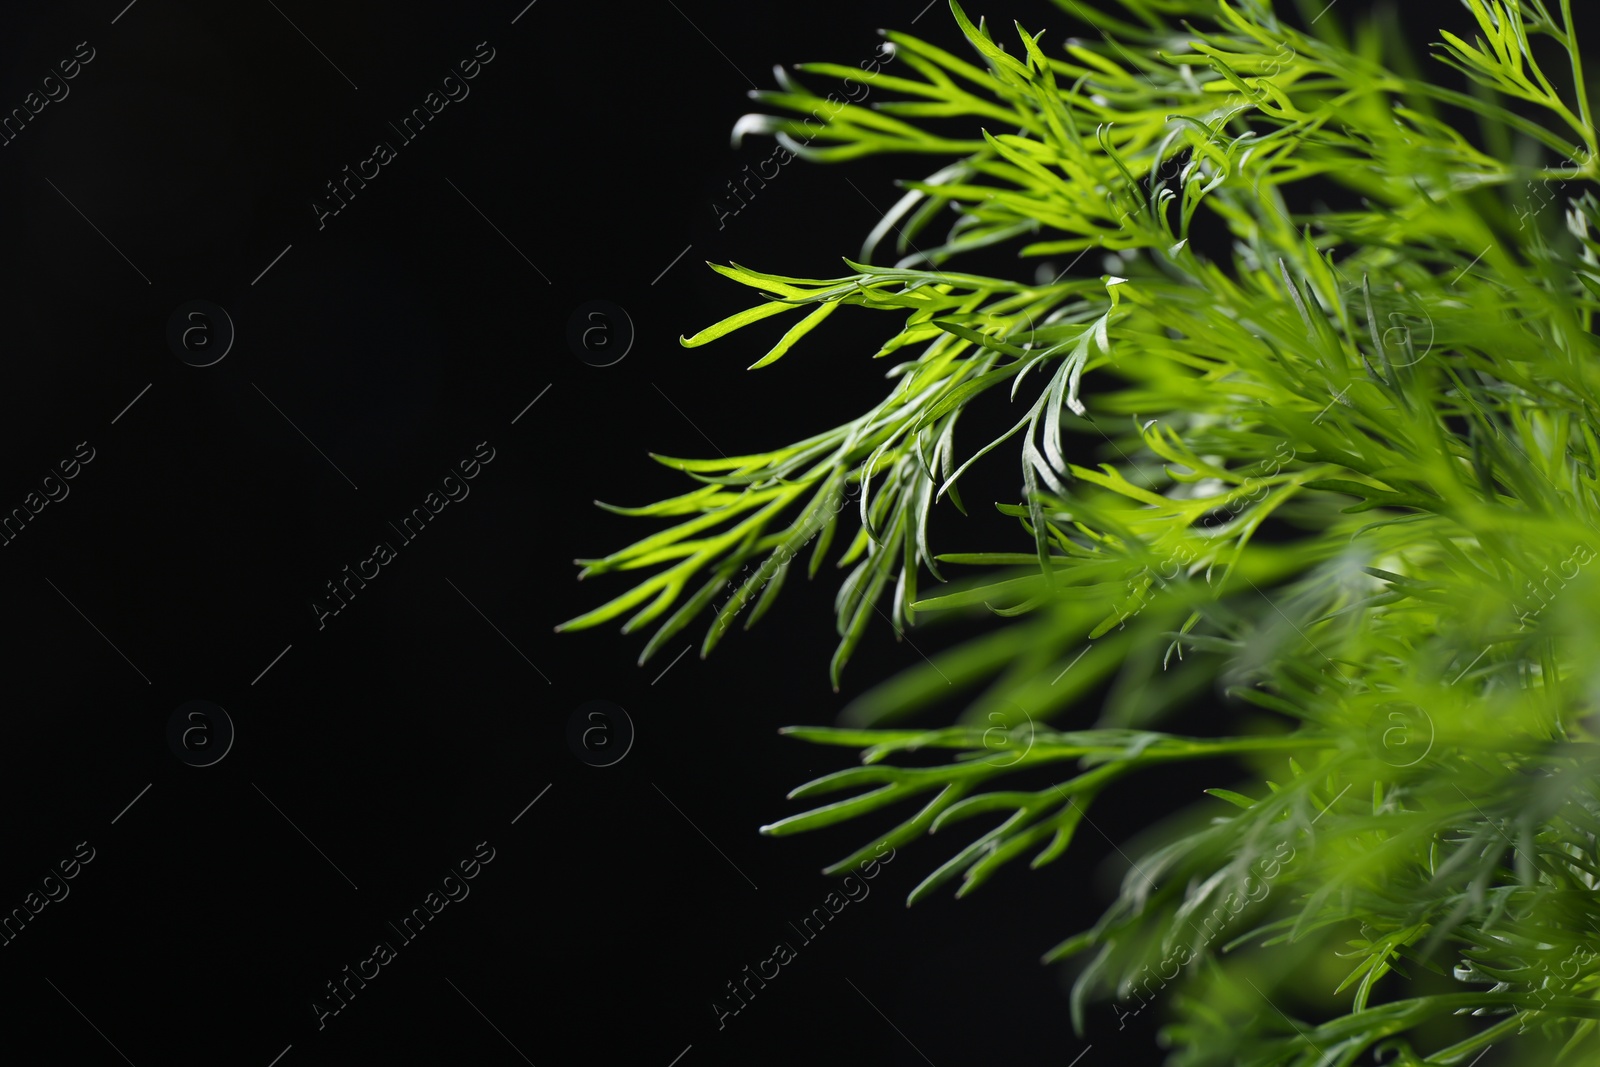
{"x": 1347, "y": 471}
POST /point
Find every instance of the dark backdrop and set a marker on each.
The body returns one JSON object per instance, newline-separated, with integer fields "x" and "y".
{"x": 373, "y": 351}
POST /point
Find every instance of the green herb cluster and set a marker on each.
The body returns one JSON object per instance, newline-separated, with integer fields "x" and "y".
{"x": 1347, "y": 474}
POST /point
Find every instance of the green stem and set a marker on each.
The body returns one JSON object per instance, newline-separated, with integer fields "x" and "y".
{"x": 1578, "y": 84}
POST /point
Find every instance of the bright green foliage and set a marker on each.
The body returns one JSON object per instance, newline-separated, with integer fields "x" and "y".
{"x": 1403, "y": 391}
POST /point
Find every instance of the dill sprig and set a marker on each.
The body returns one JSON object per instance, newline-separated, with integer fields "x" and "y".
{"x": 1345, "y": 472}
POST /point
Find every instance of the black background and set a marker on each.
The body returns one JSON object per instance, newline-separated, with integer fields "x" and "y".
{"x": 373, "y": 753}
